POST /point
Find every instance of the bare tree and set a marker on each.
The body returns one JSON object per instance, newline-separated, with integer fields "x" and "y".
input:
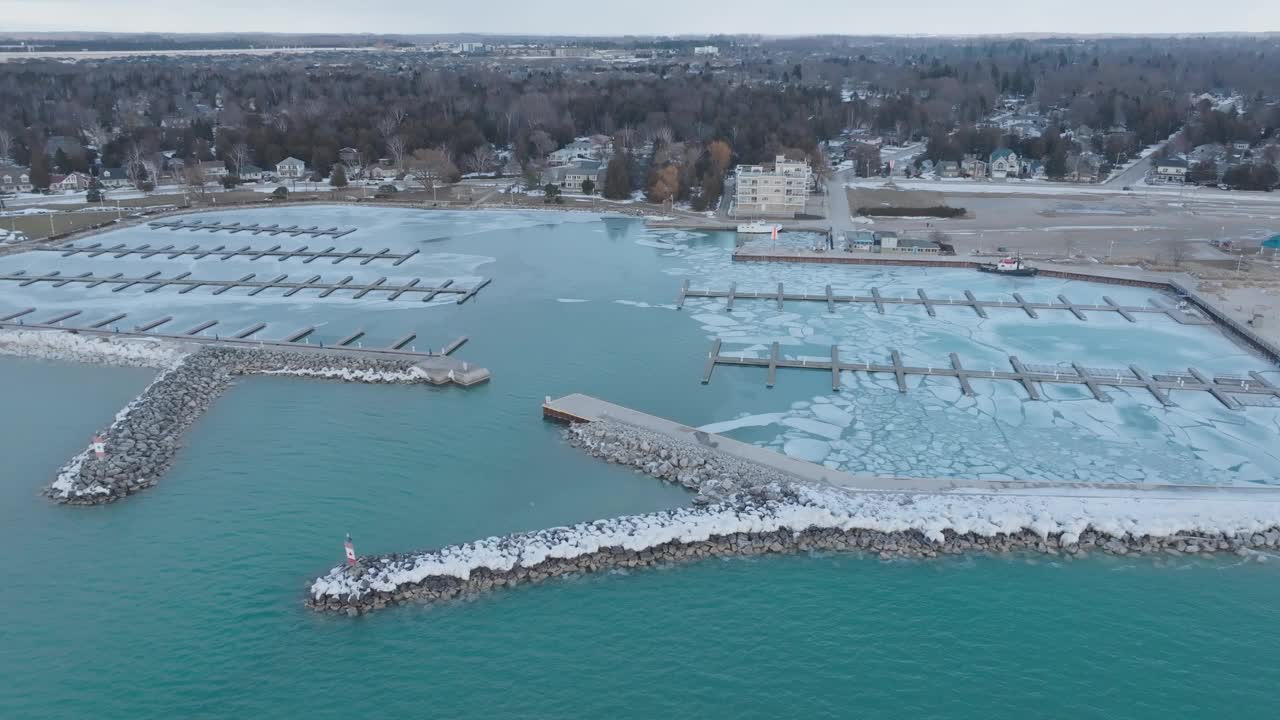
{"x": 433, "y": 166}
{"x": 239, "y": 156}
{"x": 542, "y": 142}
{"x": 6, "y": 146}
{"x": 1177, "y": 251}
{"x": 397, "y": 150}
{"x": 194, "y": 176}
{"x": 387, "y": 126}
{"x": 135, "y": 164}
{"x": 482, "y": 159}
{"x": 96, "y": 134}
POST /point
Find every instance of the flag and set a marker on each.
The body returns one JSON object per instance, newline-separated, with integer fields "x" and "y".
{"x": 351, "y": 551}
{"x": 99, "y": 447}
{"x": 775, "y": 232}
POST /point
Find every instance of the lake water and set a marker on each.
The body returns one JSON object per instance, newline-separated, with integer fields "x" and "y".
{"x": 185, "y": 601}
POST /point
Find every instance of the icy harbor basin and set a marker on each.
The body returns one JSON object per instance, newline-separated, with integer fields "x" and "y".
{"x": 204, "y": 573}
{"x": 557, "y": 273}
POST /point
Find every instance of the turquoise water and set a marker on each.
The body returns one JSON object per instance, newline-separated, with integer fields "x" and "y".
{"x": 185, "y": 601}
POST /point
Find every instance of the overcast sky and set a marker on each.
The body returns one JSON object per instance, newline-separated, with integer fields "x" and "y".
{"x": 668, "y": 17}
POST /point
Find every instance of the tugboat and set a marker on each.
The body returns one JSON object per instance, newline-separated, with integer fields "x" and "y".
{"x": 1012, "y": 266}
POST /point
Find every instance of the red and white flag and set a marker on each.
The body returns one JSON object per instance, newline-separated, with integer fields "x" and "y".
{"x": 99, "y": 447}
{"x": 775, "y": 232}
{"x": 351, "y": 551}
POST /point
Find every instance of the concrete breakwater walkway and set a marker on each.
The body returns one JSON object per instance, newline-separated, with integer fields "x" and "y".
{"x": 139, "y": 446}
{"x": 746, "y": 508}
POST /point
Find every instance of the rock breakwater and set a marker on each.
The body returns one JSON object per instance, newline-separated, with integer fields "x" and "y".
{"x": 743, "y": 526}
{"x": 140, "y": 444}
{"x": 744, "y": 509}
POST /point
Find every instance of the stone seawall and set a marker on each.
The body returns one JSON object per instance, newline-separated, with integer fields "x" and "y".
{"x": 745, "y": 509}
{"x": 141, "y": 443}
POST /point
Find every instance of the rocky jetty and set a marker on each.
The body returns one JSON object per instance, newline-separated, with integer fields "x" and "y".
{"x": 144, "y": 438}
{"x": 744, "y": 509}
{"x": 745, "y": 525}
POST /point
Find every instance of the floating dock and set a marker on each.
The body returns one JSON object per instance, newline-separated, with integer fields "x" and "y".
{"x": 219, "y": 286}
{"x": 1233, "y": 391}
{"x": 253, "y": 229}
{"x": 922, "y": 299}
{"x": 222, "y": 252}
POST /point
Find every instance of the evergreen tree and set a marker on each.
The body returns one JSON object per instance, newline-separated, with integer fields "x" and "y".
{"x": 95, "y": 194}
{"x": 617, "y": 178}
{"x": 588, "y": 187}
{"x": 39, "y": 170}
{"x": 60, "y": 162}
{"x": 338, "y": 176}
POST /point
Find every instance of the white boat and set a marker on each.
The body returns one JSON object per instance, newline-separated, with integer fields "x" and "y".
{"x": 758, "y": 228}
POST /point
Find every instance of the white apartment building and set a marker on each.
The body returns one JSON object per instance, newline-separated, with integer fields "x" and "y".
{"x": 779, "y": 191}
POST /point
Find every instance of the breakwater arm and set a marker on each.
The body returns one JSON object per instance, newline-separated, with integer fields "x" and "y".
{"x": 140, "y": 444}
{"x": 790, "y": 519}
{"x": 747, "y": 508}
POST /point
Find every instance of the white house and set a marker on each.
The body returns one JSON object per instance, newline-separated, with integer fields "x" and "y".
{"x": 291, "y": 167}
{"x": 706, "y": 50}
{"x": 213, "y": 169}
{"x": 70, "y": 183}
{"x": 14, "y": 179}
{"x": 1004, "y": 162}
{"x": 113, "y": 177}
{"x": 1171, "y": 170}
{"x": 251, "y": 172}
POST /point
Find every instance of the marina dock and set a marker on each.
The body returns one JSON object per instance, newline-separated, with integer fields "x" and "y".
{"x": 1233, "y": 391}
{"x": 219, "y": 286}
{"x": 172, "y": 252}
{"x": 253, "y": 228}
{"x": 440, "y": 365}
{"x": 922, "y": 299}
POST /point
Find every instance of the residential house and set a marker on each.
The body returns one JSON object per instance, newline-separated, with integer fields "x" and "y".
{"x": 213, "y": 169}
{"x": 1172, "y": 169}
{"x": 948, "y": 169}
{"x": 1004, "y": 162}
{"x": 780, "y": 190}
{"x": 1239, "y": 149}
{"x": 14, "y": 179}
{"x": 251, "y": 173}
{"x": 291, "y": 167}
{"x": 349, "y": 156}
{"x": 569, "y": 178}
{"x": 1033, "y": 169}
{"x": 580, "y": 149}
{"x": 706, "y": 50}
{"x": 973, "y": 167}
{"x": 927, "y": 166}
{"x": 74, "y": 182}
{"x": 1084, "y": 167}
{"x": 113, "y": 177}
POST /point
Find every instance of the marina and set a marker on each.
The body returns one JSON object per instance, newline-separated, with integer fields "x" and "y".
{"x": 232, "y": 228}
{"x": 929, "y": 304}
{"x": 168, "y": 252}
{"x": 425, "y": 293}
{"x": 1229, "y": 390}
